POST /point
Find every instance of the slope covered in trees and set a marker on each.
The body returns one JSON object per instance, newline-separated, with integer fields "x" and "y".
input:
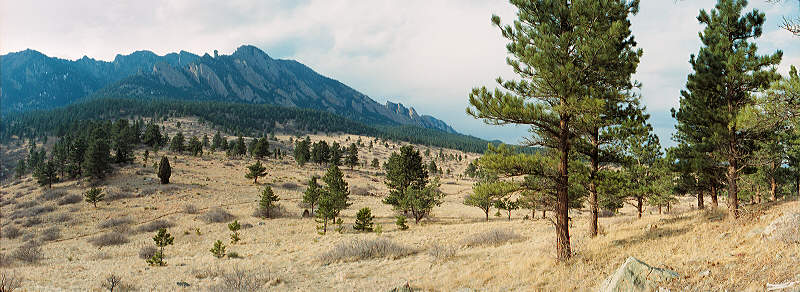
{"x": 235, "y": 118}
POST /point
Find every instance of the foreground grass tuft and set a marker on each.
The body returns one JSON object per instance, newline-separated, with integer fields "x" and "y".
{"x": 362, "y": 249}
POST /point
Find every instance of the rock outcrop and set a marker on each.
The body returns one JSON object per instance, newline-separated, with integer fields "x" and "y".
{"x": 635, "y": 275}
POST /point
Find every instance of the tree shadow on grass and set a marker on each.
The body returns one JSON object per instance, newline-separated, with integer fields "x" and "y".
{"x": 657, "y": 234}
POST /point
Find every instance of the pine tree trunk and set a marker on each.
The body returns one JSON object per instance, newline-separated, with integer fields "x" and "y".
{"x": 509, "y": 214}
{"x": 659, "y": 209}
{"x": 487, "y": 214}
{"x": 772, "y": 188}
{"x": 668, "y": 206}
{"x": 700, "y": 205}
{"x": 544, "y": 214}
{"x": 593, "y": 157}
{"x": 639, "y": 205}
{"x": 714, "y": 201}
{"x": 733, "y": 191}
{"x": 562, "y": 195}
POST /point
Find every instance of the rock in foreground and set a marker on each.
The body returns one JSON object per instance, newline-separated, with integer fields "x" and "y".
{"x": 635, "y": 275}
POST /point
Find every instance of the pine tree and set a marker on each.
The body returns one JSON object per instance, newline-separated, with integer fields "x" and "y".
{"x": 363, "y": 220}
{"x": 727, "y": 70}
{"x": 46, "y": 174}
{"x": 484, "y": 195}
{"x": 506, "y": 204}
{"x": 152, "y": 135}
{"x": 333, "y": 198}
{"x": 312, "y": 193}
{"x": 123, "y": 140}
{"x": 93, "y": 196}
{"x": 267, "y": 202}
{"x": 195, "y": 147}
{"x": 553, "y": 95}
{"x": 177, "y": 144}
{"x": 261, "y": 148}
{"x": 20, "y": 170}
{"x": 320, "y": 152}
{"x": 239, "y": 148}
{"x": 432, "y": 168}
{"x": 302, "y": 152}
{"x": 216, "y": 142}
{"x": 409, "y": 187}
{"x": 97, "y": 157}
{"x": 206, "y": 143}
{"x": 375, "y": 163}
{"x": 164, "y": 170}
{"x": 352, "y": 156}
{"x": 256, "y": 170}
{"x": 162, "y": 239}
{"x": 335, "y": 154}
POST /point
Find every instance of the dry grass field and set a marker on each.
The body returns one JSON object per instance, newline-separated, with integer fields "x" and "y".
{"x": 81, "y": 245}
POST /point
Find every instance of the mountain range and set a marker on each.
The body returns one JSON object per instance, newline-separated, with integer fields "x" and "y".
{"x": 30, "y": 80}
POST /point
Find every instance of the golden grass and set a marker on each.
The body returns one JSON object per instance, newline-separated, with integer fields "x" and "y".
{"x": 689, "y": 242}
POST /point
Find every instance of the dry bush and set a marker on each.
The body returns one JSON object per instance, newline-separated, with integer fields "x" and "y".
{"x": 491, "y": 237}
{"x": 29, "y": 253}
{"x": 32, "y": 221}
{"x": 70, "y": 199}
{"x": 4, "y": 261}
{"x": 11, "y": 232}
{"x": 118, "y": 195}
{"x": 155, "y": 225}
{"x": 27, "y": 204}
{"x": 31, "y": 212}
{"x": 361, "y": 191}
{"x": 108, "y": 239}
{"x": 115, "y": 222}
{"x": 290, "y": 186}
{"x": 50, "y": 234}
{"x": 147, "y": 252}
{"x": 207, "y": 272}
{"x": 189, "y": 209}
{"x": 52, "y": 194}
{"x": 9, "y": 282}
{"x": 146, "y": 192}
{"x": 605, "y": 213}
{"x": 362, "y": 249}
{"x": 114, "y": 282}
{"x": 242, "y": 280}
{"x": 62, "y": 218}
{"x": 441, "y": 252}
{"x": 276, "y": 212}
{"x": 216, "y": 215}
{"x": 5, "y": 202}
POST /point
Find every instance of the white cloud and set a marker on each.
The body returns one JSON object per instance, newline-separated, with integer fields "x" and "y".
{"x": 427, "y": 54}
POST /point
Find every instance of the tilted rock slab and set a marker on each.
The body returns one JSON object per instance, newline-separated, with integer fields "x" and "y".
{"x": 635, "y": 275}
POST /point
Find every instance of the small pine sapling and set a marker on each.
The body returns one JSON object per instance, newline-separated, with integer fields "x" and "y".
{"x": 162, "y": 239}
{"x": 401, "y": 222}
{"x": 218, "y": 250}
{"x": 234, "y": 227}
{"x": 363, "y": 220}
{"x": 256, "y": 170}
{"x": 93, "y": 196}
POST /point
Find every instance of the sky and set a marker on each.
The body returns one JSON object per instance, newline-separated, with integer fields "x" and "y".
{"x": 426, "y": 54}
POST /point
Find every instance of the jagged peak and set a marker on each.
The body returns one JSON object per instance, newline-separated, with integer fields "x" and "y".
{"x": 250, "y": 50}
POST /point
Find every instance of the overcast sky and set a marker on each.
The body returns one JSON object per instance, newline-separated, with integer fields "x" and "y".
{"x": 425, "y": 54}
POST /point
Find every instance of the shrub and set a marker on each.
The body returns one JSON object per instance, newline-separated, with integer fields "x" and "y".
{"x": 9, "y": 282}
{"x": 155, "y": 225}
{"x": 94, "y": 195}
{"x": 11, "y": 232}
{"x": 70, "y": 199}
{"x": 147, "y": 252}
{"x": 441, "y": 252}
{"x": 62, "y": 218}
{"x": 360, "y": 191}
{"x": 290, "y": 186}
{"x": 491, "y": 237}
{"x": 52, "y": 194}
{"x": 108, "y": 239}
{"x": 50, "y": 234}
{"x": 114, "y": 222}
{"x": 234, "y": 255}
{"x": 27, "y": 204}
{"x": 31, "y": 211}
{"x": 189, "y": 209}
{"x": 365, "y": 249}
{"x": 216, "y": 215}
{"x": 241, "y": 280}
{"x": 118, "y": 195}
{"x": 32, "y": 221}
{"x": 5, "y": 202}
{"x": 29, "y": 253}
{"x": 4, "y": 261}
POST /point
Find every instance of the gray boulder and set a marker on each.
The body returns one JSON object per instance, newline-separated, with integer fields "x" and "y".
{"x": 635, "y": 275}
{"x": 786, "y": 228}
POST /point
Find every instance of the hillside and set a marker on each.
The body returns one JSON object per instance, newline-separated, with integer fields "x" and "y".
{"x": 32, "y": 80}
{"x": 708, "y": 250}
